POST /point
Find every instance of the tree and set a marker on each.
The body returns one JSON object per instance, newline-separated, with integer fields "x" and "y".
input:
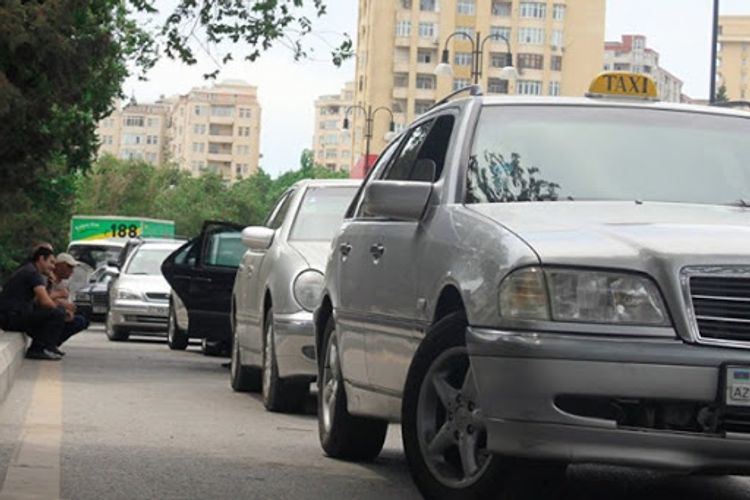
{"x": 721, "y": 94}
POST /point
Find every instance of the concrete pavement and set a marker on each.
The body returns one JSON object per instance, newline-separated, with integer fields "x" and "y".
{"x": 135, "y": 420}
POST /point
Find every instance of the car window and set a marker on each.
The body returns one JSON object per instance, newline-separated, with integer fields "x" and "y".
{"x": 320, "y": 213}
{"x": 400, "y": 169}
{"x": 375, "y": 173}
{"x": 188, "y": 255}
{"x": 276, "y": 219}
{"x": 428, "y": 141}
{"x": 224, "y": 249}
{"x": 148, "y": 261}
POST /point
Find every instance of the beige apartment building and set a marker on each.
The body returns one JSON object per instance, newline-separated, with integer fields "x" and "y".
{"x": 632, "y": 54}
{"x": 734, "y": 53}
{"x": 332, "y": 144}
{"x": 136, "y": 132}
{"x": 217, "y": 129}
{"x": 557, "y": 46}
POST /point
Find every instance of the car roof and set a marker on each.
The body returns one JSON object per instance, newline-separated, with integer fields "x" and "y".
{"x": 592, "y": 102}
{"x": 161, "y": 244}
{"x": 110, "y": 242}
{"x": 328, "y": 183}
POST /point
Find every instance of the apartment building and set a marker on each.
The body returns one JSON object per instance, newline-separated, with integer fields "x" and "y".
{"x": 136, "y": 132}
{"x": 332, "y": 144}
{"x": 557, "y": 46}
{"x": 734, "y": 52}
{"x": 217, "y": 129}
{"x": 632, "y": 54}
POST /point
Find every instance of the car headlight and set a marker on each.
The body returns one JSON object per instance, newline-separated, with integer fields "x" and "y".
{"x": 124, "y": 294}
{"x": 308, "y": 289}
{"x": 83, "y": 297}
{"x": 583, "y": 296}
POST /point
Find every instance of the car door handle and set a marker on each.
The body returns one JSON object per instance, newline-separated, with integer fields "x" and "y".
{"x": 377, "y": 250}
{"x": 345, "y": 249}
{"x": 202, "y": 280}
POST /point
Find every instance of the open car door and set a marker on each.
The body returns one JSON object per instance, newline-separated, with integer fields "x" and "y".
{"x": 202, "y": 273}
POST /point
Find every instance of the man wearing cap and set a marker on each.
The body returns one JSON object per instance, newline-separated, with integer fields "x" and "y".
{"x": 60, "y": 293}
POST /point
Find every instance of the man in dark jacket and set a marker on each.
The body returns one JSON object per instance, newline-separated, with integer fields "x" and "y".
{"x": 25, "y": 306}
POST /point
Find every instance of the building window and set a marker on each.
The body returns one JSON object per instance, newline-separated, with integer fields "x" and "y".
{"x": 328, "y": 125}
{"x": 502, "y": 8}
{"x": 132, "y": 139}
{"x": 556, "y": 64}
{"x": 331, "y": 154}
{"x": 134, "y": 121}
{"x": 151, "y": 157}
{"x": 460, "y": 83}
{"x": 558, "y": 12}
{"x": 403, "y": 28}
{"x": 557, "y": 38}
{"x": 463, "y": 59}
{"x": 398, "y": 106}
{"x": 152, "y": 139}
{"x": 199, "y": 111}
{"x": 401, "y": 80}
{"x": 243, "y": 150}
{"x": 639, "y": 43}
{"x": 500, "y": 33}
{"x": 199, "y": 147}
{"x": 530, "y": 61}
{"x": 427, "y": 30}
{"x": 531, "y": 36}
{"x": 426, "y": 82}
{"x": 554, "y": 88}
{"x": 152, "y": 122}
{"x": 529, "y": 87}
{"x": 222, "y": 111}
{"x": 427, "y": 5}
{"x": 533, "y": 10}
{"x": 499, "y": 59}
{"x": 243, "y": 131}
{"x": 199, "y": 129}
{"x": 245, "y": 112}
{"x": 425, "y": 56}
{"x": 465, "y": 7}
{"x": 406, "y": 4}
{"x": 497, "y": 86}
{"x": 468, "y": 30}
{"x": 421, "y": 107}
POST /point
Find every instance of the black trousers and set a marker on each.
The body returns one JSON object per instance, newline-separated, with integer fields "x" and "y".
{"x": 44, "y": 325}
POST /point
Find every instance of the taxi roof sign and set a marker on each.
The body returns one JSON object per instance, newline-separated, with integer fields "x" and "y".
{"x": 624, "y": 84}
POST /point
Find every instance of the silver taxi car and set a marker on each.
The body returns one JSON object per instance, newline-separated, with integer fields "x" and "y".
{"x": 526, "y": 283}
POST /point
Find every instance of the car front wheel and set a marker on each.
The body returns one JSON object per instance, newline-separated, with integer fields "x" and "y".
{"x": 243, "y": 378}
{"x": 279, "y": 395}
{"x": 177, "y": 339}
{"x": 115, "y": 333}
{"x": 343, "y": 435}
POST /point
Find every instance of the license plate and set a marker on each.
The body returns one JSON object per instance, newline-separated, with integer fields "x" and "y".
{"x": 99, "y": 309}
{"x": 737, "y": 386}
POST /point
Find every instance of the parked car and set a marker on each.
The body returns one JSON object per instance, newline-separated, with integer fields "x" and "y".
{"x": 91, "y": 255}
{"x": 278, "y": 285}
{"x": 201, "y": 273}
{"x": 139, "y": 296}
{"x": 93, "y": 299}
{"x": 525, "y": 283}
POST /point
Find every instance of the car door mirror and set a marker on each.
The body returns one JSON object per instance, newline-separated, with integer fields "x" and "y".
{"x": 399, "y": 200}
{"x": 257, "y": 237}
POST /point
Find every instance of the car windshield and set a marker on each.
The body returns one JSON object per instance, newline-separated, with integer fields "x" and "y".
{"x": 545, "y": 153}
{"x": 148, "y": 261}
{"x": 321, "y": 213}
{"x": 94, "y": 255}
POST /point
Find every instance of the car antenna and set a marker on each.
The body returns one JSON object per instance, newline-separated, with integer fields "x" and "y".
{"x": 473, "y": 90}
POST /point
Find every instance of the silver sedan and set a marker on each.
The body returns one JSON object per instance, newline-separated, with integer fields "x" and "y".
{"x": 535, "y": 282}
{"x": 278, "y": 285}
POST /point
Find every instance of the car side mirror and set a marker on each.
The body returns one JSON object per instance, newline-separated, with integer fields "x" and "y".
{"x": 257, "y": 237}
{"x": 399, "y": 200}
{"x": 113, "y": 263}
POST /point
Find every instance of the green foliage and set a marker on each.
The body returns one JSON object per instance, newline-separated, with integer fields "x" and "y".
{"x": 721, "y": 94}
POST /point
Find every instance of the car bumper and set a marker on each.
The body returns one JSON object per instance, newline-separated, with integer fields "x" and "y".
{"x": 295, "y": 344}
{"x": 637, "y": 402}
{"x": 141, "y": 316}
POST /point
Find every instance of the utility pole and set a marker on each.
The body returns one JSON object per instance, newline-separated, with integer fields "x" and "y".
{"x": 714, "y": 48}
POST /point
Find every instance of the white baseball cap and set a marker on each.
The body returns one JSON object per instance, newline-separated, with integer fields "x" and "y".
{"x": 68, "y": 259}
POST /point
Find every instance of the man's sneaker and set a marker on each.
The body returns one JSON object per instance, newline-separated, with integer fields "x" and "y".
{"x": 55, "y": 350}
{"x": 42, "y": 355}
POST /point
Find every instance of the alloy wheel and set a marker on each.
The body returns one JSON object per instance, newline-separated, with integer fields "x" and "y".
{"x": 331, "y": 377}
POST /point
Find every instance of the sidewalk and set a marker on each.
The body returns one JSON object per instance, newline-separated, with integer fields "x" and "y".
{"x": 12, "y": 347}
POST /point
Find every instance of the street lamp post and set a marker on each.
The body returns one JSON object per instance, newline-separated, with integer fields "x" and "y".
{"x": 714, "y": 46}
{"x": 369, "y": 125}
{"x": 509, "y": 72}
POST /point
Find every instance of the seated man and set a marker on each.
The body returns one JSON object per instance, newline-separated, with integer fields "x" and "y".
{"x": 25, "y": 288}
{"x": 59, "y": 291}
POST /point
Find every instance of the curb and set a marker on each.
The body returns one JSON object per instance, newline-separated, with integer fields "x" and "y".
{"x": 12, "y": 349}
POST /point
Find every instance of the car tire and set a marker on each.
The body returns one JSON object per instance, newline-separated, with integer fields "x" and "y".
{"x": 343, "y": 435}
{"x": 115, "y": 333}
{"x": 440, "y": 412}
{"x": 177, "y": 339}
{"x": 279, "y": 395}
{"x": 212, "y": 347}
{"x": 242, "y": 378}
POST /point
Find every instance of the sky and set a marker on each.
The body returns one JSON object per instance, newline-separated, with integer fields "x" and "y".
{"x": 680, "y": 30}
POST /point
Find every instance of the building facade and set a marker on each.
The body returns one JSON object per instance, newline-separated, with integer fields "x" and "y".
{"x": 332, "y": 144}
{"x": 734, "y": 53}
{"x": 217, "y": 129}
{"x": 136, "y": 132}
{"x": 557, "y": 45}
{"x": 632, "y": 54}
